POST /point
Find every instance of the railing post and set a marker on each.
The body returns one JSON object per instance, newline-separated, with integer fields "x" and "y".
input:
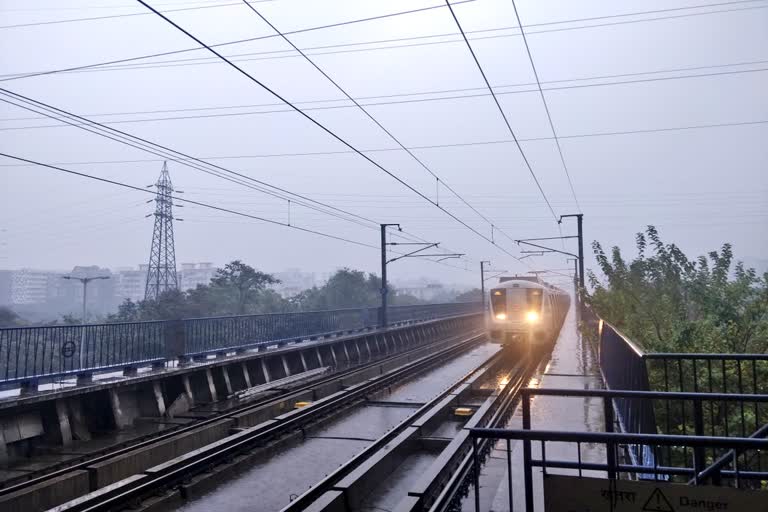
{"x": 527, "y": 466}
{"x": 611, "y": 449}
{"x": 698, "y": 425}
{"x": 174, "y": 340}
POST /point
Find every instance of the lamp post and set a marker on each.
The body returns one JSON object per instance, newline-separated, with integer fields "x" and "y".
{"x": 85, "y": 281}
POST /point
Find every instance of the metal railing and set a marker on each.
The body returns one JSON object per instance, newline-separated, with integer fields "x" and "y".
{"x": 625, "y": 366}
{"x": 740, "y": 448}
{"x": 34, "y": 353}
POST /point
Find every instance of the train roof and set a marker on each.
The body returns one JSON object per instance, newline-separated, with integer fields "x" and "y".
{"x": 513, "y": 282}
{"x": 520, "y": 283}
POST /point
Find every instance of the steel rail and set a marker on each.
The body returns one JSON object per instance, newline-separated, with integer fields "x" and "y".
{"x": 147, "y": 440}
{"x": 134, "y": 489}
{"x": 327, "y": 483}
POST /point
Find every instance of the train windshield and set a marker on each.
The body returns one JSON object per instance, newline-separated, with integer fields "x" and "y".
{"x": 499, "y": 301}
{"x": 534, "y": 299}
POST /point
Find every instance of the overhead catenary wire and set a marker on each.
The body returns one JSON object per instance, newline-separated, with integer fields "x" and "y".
{"x": 227, "y": 43}
{"x": 374, "y": 120}
{"x": 501, "y": 111}
{"x": 425, "y": 92}
{"x": 546, "y": 107}
{"x": 200, "y": 204}
{"x": 309, "y": 29}
{"x": 321, "y": 126}
{"x": 430, "y": 146}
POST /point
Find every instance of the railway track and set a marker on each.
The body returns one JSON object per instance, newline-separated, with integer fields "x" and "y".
{"x": 379, "y": 478}
{"x": 372, "y": 376}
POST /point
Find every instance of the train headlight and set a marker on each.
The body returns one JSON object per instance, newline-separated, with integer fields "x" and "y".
{"x": 532, "y": 317}
{"x": 501, "y": 316}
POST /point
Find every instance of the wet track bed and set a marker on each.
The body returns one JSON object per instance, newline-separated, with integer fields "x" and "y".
{"x": 290, "y": 469}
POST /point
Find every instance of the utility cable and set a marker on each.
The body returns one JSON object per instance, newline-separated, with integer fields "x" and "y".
{"x": 228, "y": 43}
{"x": 371, "y": 117}
{"x": 321, "y": 126}
{"x": 310, "y": 29}
{"x": 546, "y": 107}
{"x": 501, "y": 111}
{"x": 202, "y": 204}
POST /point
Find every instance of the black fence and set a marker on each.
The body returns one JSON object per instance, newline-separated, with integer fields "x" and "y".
{"x": 33, "y": 353}
{"x": 734, "y": 472}
{"x": 625, "y": 366}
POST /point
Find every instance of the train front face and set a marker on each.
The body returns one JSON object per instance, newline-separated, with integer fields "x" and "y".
{"x": 515, "y": 314}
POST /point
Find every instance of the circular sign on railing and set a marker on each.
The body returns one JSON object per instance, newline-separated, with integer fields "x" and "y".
{"x": 68, "y": 349}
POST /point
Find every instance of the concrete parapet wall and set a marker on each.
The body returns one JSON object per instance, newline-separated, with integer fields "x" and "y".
{"x": 123, "y": 466}
{"x": 48, "y": 494}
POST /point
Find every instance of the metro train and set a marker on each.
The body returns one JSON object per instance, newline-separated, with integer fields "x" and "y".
{"x": 524, "y": 310}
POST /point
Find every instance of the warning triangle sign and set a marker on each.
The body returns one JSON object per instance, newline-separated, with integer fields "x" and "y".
{"x": 657, "y": 502}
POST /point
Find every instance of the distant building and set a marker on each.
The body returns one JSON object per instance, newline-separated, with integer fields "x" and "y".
{"x": 29, "y": 286}
{"x": 422, "y": 290}
{"x": 193, "y": 274}
{"x": 130, "y": 283}
{"x": 293, "y": 281}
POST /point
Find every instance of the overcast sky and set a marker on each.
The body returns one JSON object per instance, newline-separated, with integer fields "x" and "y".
{"x": 692, "y": 92}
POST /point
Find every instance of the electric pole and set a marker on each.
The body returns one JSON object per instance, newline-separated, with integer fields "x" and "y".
{"x": 384, "y": 290}
{"x": 482, "y": 281}
{"x": 161, "y": 274}
{"x": 580, "y": 235}
{"x": 84, "y": 281}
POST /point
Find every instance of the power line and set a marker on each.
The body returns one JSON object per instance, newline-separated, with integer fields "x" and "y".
{"x": 417, "y": 100}
{"x": 276, "y": 54}
{"x": 202, "y": 204}
{"x": 546, "y": 107}
{"x": 127, "y": 15}
{"x": 177, "y": 156}
{"x": 189, "y": 201}
{"x": 431, "y": 146}
{"x": 310, "y": 29}
{"x": 322, "y": 126}
{"x": 383, "y": 103}
{"x": 501, "y": 111}
{"x": 184, "y": 159}
{"x": 227, "y": 43}
{"x": 371, "y": 117}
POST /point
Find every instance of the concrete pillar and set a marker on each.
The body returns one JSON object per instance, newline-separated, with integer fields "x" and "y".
{"x": 62, "y": 415}
{"x": 285, "y": 366}
{"x": 157, "y": 393}
{"x": 303, "y": 361}
{"x": 211, "y": 385}
{"x": 368, "y": 346}
{"x": 246, "y": 375}
{"x": 3, "y": 447}
{"x": 227, "y": 382}
{"x": 188, "y": 389}
{"x": 121, "y": 419}
{"x": 264, "y": 368}
{"x": 319, "y": 356}
{"x": 333, "y": 353}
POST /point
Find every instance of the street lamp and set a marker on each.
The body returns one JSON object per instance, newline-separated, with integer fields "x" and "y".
{"x": 85, "y": 281}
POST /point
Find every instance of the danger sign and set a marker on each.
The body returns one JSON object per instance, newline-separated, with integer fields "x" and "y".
{"x": 575, "y": 494}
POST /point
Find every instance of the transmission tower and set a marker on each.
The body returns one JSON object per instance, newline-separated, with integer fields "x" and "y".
{"x": 161, "y": 274}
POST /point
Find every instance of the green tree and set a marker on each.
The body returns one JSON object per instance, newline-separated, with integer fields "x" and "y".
{"x": 242, "y": 284}
{"x": 667, "y": 302}
{"x": 473, "y": 295}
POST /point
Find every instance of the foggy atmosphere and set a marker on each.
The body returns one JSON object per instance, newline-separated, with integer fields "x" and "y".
{"x": 338, "y": 255}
